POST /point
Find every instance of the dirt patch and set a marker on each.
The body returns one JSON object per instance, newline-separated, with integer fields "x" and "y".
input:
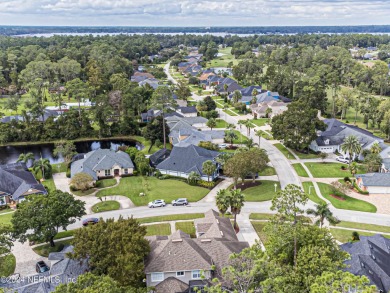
{"x": 337, "y": 197}
{"x": 248, "y": 184}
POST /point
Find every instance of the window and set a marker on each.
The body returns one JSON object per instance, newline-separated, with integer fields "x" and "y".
{"x": 126, "y": 171}
{"x": 180, "y": 274}
{"x": 157, "y": 277}
{"x": 2, "y": 200}
{"x": 107, "y": 172}
{"x": 196, "y": 274}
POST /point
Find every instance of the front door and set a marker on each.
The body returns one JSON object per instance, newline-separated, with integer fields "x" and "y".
{"x": 116, "y": 172}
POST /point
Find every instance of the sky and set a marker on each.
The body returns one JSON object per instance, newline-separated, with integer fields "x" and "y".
{"x": 193, "y": 12}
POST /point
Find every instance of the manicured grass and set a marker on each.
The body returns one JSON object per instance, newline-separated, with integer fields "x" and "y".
{"x": 260, "y": 121}
{"x": 6, "y": 210}
{"x": 263, "y": 192}
{"x": 349, "y": 203}
{"x": 300, "y": 170}
{"x": 49, "y": 184}
{"x": 259, "y": 227}
{"x": 346, "y": 235}
{"x": 313, "y": 194}
{"x": 231, "y": 113}
{"x": 154, "y": 188}
{"x": 170, "y": 218}
{"x": 83, "y": 193}
{"x": 104, "y": 206}
{"x": 5, "y": 219}
{"x": 45, "y": 249}
{"x": 7, "y": 265}
{"x": 261, "y": 216}
{"x": 64, "y": 234}
{"x": 105, "y": 183}
{"x": 240, "y": 137}
{"x": 363, "y": 226}
{"x": 329, "y": 170}
{"x": 158, "y": 229}
{"x": 59, "y": 168}
{"x": 221, "y": 123}
{"x": 306, "y": 156}
{"x": 268, "y": 171}
{"x": 186, "y": 227}
{"x": 265, "y": 135}
{"x": 285, "y": 151}
{"x": 224, "y": 60}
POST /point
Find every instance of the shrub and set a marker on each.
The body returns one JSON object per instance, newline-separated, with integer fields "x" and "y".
{"x": 346, "y": 121}
{"x": 346, "y": 179}
{"x": 240, "y": 107}
{"x": 158, "y": 143}
{"x": 157, "y": 174}
{"x": 68, "y": 173}
{"x": 208, "y": 145}
{"x": 165, "y": 176}
{"x": 343, "y": 168}
{"x": 357, "y": 188}
{"x": 355, "y": 236}
{"x": 212, "y": 114}
{"x": 207, "y": 184}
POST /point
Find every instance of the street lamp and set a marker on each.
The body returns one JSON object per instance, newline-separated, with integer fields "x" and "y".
{"x": 276, "y": 185}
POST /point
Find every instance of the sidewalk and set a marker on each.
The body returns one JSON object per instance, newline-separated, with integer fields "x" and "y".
{"x": 210, "y": 197}
{"x": 247, "y": 232}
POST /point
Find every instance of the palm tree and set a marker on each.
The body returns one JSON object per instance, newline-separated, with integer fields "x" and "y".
{"x": 231, "y": 126}
{"x": 351, "y": 146}
{"x": 25, "y": 158}
{"x": 42, "y": 165}
{"x": 223, "y": 158}
{"x": 322, "y": 212}
{"x": 249, "y": 143}
{"x": 375, "y": 148}
{"x": 223, "y": 201}
{"x": 248, "y": 124}
{"x": 208, "y": 168}
{"x": 236, "y": 96}
{"x": 259, "y": 133}
{"x": 237, "y": 200}
{"x": 353, "y": 168}
{"x": 193, "y": 177}
{"x": 230, "y": 136}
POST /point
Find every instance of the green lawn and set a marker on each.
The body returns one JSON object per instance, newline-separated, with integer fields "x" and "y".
{"x": 346, "y": 235}
{"x": 65, "y": 234}
{"x": 158, "y": 229}
{"x": 82, "y": 193}
{"x": 104, "y": 206}
{"x": 5, "y": 219}
{"x": 7, "y": 265}
{"x": 300, "y": 170}
{"x": 186, "y": 227}
{"x": 59, "y": 168}
{"x": 154, "y": 188}
{"x": 6, "y": 210}
{"x": 230, "y": 112}
{"x": 170, "y": 218}
{"x": 268, "y": 171}
{"x": 105, "y": 183}
{"x": 349, "y": 203}
{"x": 363, "y": 226}
{"x": 330, "y": 170}
{"x": 259, "y": 227}
{"x": 224, "y": 60}
{"x": 265, "y": 135}
{"x": 285, "y": 151}
{"x": 306, "y": 156}
{"x": 313, "y": 194}
{"x": 49, "y": 184}
{"x": 263, "y": 192}
{"x": 260, "y": 121}
{"x": 240, "y": 137}
{"x": 45, "y": 249}
{"x": 221, "y": 123}
{"x": 261, "y": 216}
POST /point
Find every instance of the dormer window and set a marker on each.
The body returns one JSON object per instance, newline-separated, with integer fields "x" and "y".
{"x": 326, "y": 141}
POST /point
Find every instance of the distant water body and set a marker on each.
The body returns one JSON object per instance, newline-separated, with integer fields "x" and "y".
{"x": 216, "y": 34}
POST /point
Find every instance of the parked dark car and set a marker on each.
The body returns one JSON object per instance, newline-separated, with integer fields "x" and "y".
{"x": 90, "y": 221}
{"x": 180, "y": 202}
{"x": 41, "y": 267}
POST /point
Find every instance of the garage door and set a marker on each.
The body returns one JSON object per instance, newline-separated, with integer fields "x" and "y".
{"x": 379, "y": 189}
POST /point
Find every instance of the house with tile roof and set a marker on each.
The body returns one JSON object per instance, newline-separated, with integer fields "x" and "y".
{"x": 246, "y": 93}
{"x": 63, "y": 270}
{"x": 269, "y": 108}
{"x": 103, "y": 163}
{"x": 181, "y": 263}
{"x": 370, "y": 257}
{"x": 377, "y": 183}
{"x": 184, "y": 160}
{"x": 330, "y": 140}
{"x": 17, "y": 183}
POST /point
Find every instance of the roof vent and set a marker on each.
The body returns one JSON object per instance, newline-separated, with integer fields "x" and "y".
{"x": 205, "y": 240}
{"x": 373, "y": 257}
{"x": 177, "y": 240}
{"x": 217, "y": 221}
{"x": 221, "y": 233}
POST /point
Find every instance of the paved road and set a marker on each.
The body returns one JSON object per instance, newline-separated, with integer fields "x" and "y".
{"x": 166, "y": 70}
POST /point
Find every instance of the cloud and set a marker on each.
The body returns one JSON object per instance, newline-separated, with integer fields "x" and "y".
{"x": 194, "y": 12}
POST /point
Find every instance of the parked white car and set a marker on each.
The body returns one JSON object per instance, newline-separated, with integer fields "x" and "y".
{"x": 341, "y": 159}
{"x": 157, "y": 203}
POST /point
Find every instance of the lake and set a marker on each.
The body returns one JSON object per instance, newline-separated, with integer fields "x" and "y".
{"x": 10, "y": 154}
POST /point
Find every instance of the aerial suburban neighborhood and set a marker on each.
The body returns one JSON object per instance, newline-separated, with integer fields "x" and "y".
{"x": 188, "y": 159}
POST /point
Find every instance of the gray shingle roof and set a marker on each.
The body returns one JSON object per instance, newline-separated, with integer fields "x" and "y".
{"x": 172, "y": 285}
{"x": 370, "y": 257}
{"x": 187, "y": 159}
{"x": 375, "y": 179}
{"x": 159, "y": 156}
{"x": 16, "y": 180}
{"x": 214, "y": 226}
{"x": 101, "y": 159}
{"x": 386, "y": 163}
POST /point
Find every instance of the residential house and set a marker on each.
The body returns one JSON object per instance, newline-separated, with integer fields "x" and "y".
{"x": 153, "y": 82}
{"x": 47, "y": 113}
{"x": 268, "y": 109}
{"x": 179, "y": 112}
{"x": 385, "y": 165}
{"x": 139, "y": 76}
{"x": 377, "y": 183}
{"x": 103, "y": 163}
{"x": 16, "y": 183}
{"x": 189, "y": 111}
{"x": 175, "y": 122}
{"x": 370, "y": 257}
{"x": 184, "y": 160}
{"x": 246, "y": 93}
{"x": 330, "y": 140}
{"x": 178, "y": 263}
{"x": 231, "y": 86}
{"x": 158, "y": 157}
{"x": 63, "y": 270}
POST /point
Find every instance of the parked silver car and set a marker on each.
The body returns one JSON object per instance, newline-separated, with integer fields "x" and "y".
{"x": 341, "y": 159}
{"x": 180, "y": 202}
{"x": 157, "y": 203}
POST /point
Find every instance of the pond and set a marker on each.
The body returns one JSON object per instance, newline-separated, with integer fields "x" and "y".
{"x": 10, "y": 154}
